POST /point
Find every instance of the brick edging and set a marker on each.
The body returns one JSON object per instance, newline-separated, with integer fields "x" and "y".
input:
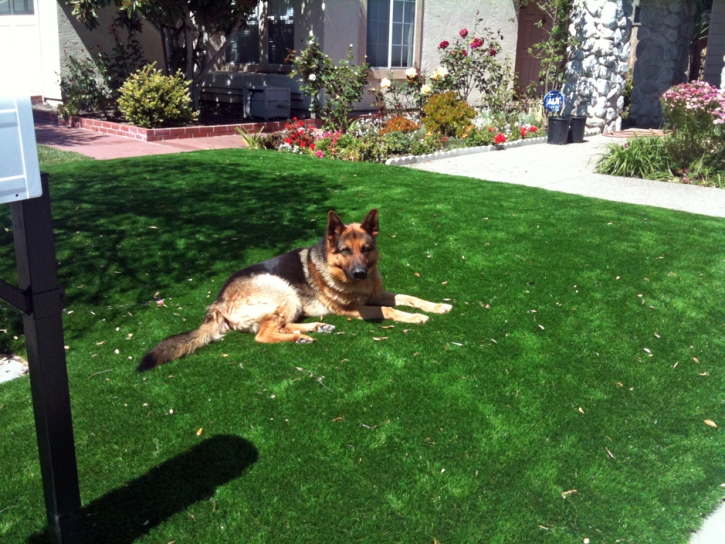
{"x": 158, "y": 134}
{"x": 414, "y": 159}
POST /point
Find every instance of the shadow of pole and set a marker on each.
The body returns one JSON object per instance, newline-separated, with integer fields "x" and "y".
{"x": 125, "y": 514}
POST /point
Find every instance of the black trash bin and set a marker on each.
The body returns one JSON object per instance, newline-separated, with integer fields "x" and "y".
{"x": 576, "y": 129}
{"x": 558, "y": 132}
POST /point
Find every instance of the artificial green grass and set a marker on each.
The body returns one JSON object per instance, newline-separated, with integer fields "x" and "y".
{"x": 50, "y": 156}
{"x": 583, "y": 352}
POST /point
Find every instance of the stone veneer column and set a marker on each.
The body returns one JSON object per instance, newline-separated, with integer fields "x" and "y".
{"x": 662, "y": 56}
{"x": 595, "y": 77}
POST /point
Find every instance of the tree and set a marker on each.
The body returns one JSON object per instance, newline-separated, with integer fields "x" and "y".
{"x": 186, "y": 25}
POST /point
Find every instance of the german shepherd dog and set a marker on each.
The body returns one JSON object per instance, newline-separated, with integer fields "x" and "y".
{"x": 338, "y": 275}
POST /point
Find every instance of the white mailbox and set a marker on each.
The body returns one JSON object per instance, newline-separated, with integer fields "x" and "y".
{"x": 19, "y": 170}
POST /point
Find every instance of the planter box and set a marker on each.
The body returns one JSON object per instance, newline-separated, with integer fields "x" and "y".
{"x": 158, "y": 134}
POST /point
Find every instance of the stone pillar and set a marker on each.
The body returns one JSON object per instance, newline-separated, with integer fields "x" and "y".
{"x": 714, "y": 61}
{"x": 596, "y": 73}
{"x": 662, "y": 56}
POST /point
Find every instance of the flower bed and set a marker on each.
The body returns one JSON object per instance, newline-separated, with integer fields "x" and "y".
{"x": 158, "y": 134}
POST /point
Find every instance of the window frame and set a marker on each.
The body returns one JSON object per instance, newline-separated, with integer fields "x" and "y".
{"x": 379, "y": 72}
{"x": 263, "y": 65}
{"x": 11, "y": 12}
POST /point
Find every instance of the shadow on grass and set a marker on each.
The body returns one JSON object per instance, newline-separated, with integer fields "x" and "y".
{"x": 126, "y": 229}
{"x": 127, "y": 513}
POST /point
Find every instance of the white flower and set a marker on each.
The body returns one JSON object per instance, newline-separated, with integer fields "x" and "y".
{"x": 411, "y": 73}
{"x": 385, "y": 84}
{"x": 439, "y": 73}
{"x": 426, "y": 89}
{"x": 312, "y": 77}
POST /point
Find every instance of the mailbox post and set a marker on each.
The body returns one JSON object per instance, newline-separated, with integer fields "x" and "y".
{"x": 40, "y": 299}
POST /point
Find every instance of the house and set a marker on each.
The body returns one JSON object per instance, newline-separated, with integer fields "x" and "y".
{"x": 393, "y": 35}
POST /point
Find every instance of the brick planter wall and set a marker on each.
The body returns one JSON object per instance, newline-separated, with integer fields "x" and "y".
{"x": 158, "y": 134}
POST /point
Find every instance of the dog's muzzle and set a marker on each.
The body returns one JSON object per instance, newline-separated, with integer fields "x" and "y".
{"x": 358, "y": 273}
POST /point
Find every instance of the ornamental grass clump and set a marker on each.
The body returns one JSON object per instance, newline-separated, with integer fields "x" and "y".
{"x": 150, "y": 99}
{"x": 695, "y": 113}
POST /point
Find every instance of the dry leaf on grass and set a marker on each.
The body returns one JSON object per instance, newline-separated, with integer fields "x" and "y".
{"x": 444, "y": 283}
{"x": 198, "y": 433}
{"x": 417, "y": 275}
{"x": 711, "y": 423}
{"x": 379, "y": 338}
{"x": 581, "y": 411}
{"x": 565, "y": 494}
{"x": 387, "y": 326}
{"x": 338, "y": 419}
{"x": 696, "y": 359}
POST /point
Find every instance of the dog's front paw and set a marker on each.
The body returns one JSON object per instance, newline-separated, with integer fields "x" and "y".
{"x": 325, "y": 328}
{"x": 441, "y": 308}
{"x": 303, "y": 339}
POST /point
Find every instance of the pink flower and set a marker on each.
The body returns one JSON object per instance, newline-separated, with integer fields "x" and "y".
{"x": 476, "y": 43}
{"x": 443, "y": 44}
{"x": 463, "y": 33}
{"x": 319, "y": 154}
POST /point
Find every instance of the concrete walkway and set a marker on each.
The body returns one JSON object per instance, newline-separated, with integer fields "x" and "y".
{"x": 105, "y": 146}
{"x": 570, "y": 169}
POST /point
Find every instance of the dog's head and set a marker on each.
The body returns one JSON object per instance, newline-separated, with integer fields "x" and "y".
{"x": 352, "y": 251}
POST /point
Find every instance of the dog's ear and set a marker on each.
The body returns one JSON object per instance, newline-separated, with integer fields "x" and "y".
{"x": 370, "y": 224}
{"x": 335, "y": 226}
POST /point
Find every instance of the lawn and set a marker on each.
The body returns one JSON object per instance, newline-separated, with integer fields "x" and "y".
{"x": 563, "y": 398}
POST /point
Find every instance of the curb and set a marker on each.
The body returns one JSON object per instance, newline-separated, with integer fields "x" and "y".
{"x": 413, "y": 159}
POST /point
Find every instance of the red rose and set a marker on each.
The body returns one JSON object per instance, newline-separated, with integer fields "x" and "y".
{"x": 533, "y": 129}
{"x": 492, "y": 52}
{"x": 464, "y": 52}
{"x": 303, "y": 144}
{"x": 312, "y": 147}
{"x": 522, "y": 131}
{"x": 476, "y": 43}
{"x": 443, "y": 44}
{"x": 464, "y": 33}
{"x": 499, "y": 139}
{"x": 288, "y": 140}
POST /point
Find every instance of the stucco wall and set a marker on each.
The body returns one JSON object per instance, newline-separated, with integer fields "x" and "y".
{"x": 75, "y": 39}
{"x": 443, "y": 19}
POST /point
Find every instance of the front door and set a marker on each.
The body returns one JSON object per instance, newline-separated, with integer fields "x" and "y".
{"x": 527, "y": 66}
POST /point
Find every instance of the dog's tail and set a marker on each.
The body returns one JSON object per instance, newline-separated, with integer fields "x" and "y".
{"x": 174, "y": 347}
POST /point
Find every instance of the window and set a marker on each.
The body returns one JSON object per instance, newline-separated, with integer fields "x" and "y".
{"x": 276, "y": 37}
{"x": 391, "y": 32}
{"x": 16, "y": 7}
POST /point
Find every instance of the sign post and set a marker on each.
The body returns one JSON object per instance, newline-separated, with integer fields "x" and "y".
{"x": 40, "y": 299}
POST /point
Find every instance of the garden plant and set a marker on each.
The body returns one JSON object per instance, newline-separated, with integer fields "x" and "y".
{"x": 571, "y": 395}
{"x": 691, "y": 151}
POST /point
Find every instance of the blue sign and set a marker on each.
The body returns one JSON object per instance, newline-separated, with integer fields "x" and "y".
{"x": 553, "y": 101}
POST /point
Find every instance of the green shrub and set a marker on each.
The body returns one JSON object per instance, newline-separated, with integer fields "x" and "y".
{"x": 342, "y": 85}
{"x": 645, "y": 157}
{"x": 398, "y": 143}
{"x": 369, "y": 148}
{"x": 81, "y": 86}
{"x": 428, "y": 144}
{"x": 150, "y": 99}
{"x": 399, "y": 124}
{"x": 447, "y": 115}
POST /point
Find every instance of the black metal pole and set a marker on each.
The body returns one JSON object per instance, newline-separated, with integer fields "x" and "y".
{"x": 38, "y": 279}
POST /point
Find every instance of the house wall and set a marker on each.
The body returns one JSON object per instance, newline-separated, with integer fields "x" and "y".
{"x": 662, "y": 56}
{"x": 716, "y": 45}
{"x": 30, "y": 51}
{"x": 76, "y": 40}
